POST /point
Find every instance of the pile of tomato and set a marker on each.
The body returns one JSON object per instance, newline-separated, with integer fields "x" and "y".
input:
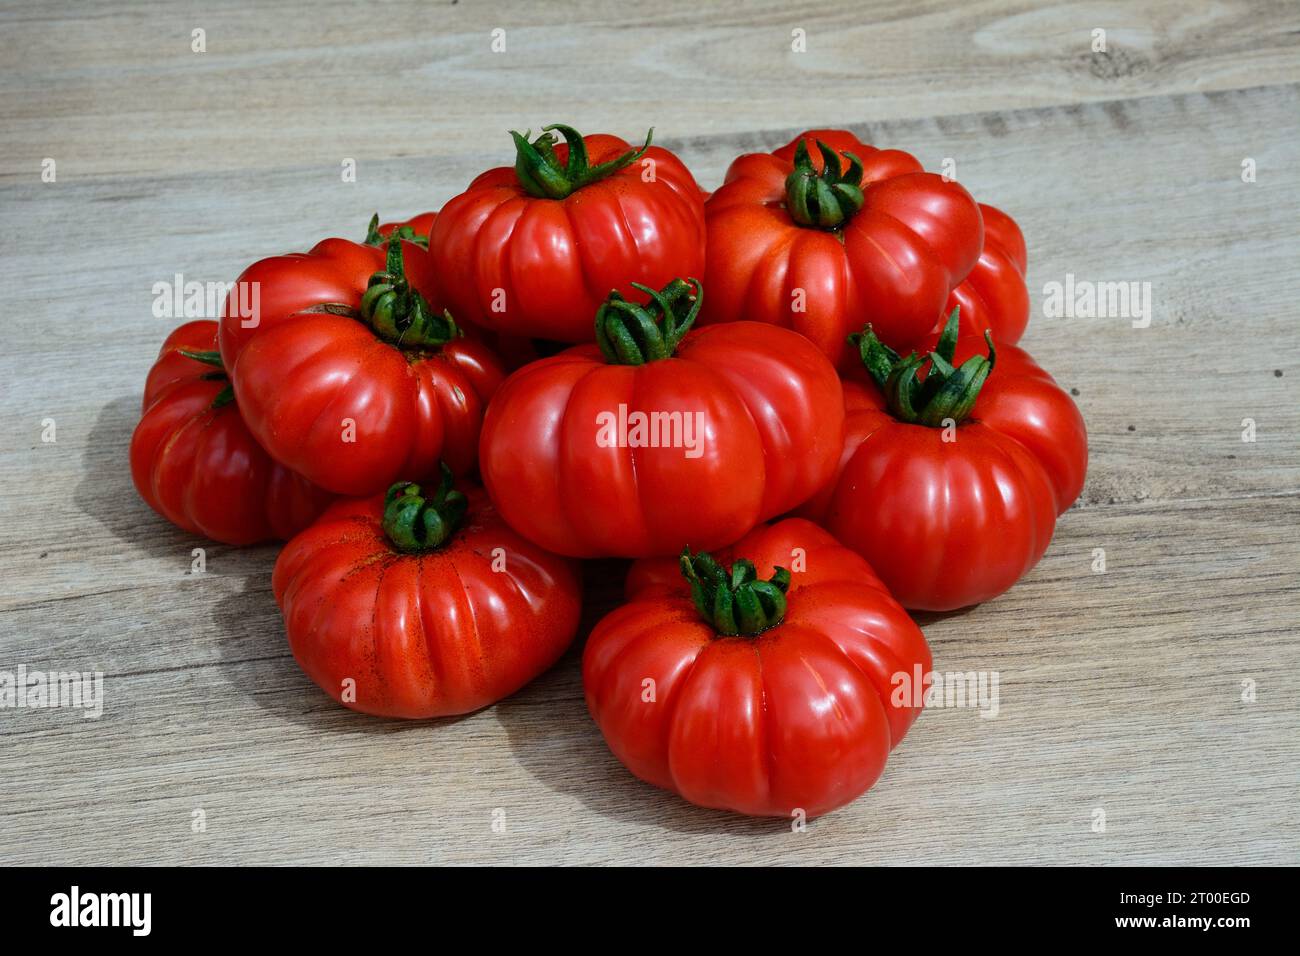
{"x": 796, "y": 403}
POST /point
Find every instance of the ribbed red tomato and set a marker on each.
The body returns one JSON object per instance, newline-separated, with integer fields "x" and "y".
{"x": 533, "y": 249}
{"x": 658, "y": 438}
{"x": 766, "y": 688}
{"x": 826, "y": 243}
{"x": 950, "y": 483}
{"x": 993, "y": 297}
{"x": 416, "y": 259}
{"x": 196, "y": 464}
{"x": 348, "y": 372}
{"x": 513, "y": 351}
{"x": 423, "y": 603}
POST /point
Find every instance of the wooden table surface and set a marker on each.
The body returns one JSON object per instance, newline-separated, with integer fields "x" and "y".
{"x": 1160, "y": 693}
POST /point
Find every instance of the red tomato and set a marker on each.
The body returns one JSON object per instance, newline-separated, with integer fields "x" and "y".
{"x": 803, "y": 242}
{"x": 513, "y": 351}
{"x": 628, "y": 450}
{"x": 195, "y": 463}
{"x": 533, "y": 249}
{"x": 348, "y": 373}
{"x": 994, "y": 297}
{"x": 419, "y": 264}
{"x": 755, "y": 695}
{"x": 409, "y": 604}
{"x": 416, "y": 259}
{"x": 952, "y": 516}
{"x": 416, "y": 230}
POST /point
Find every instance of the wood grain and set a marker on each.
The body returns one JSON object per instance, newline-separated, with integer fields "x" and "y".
{"x": 119, "y": 91}
{"x": 1120, "y": 691}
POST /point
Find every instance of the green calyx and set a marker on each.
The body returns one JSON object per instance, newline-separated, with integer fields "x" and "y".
{"x": 373, "y": 238}
{"x": 415, "y": 523}
{"x": 398, "y": 313}
{"x": 213, "y": 358}
{"x": 826, "y": 200}
{"x": 945, "y": 395}
{"x": 633, "y": 333}
{"x": 735, "y": 603}
{"x": 543, "y": 176}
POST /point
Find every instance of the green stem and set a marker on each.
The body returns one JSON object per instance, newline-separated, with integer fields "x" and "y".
{"x": 213, "y": 358}
{"x": 944, "y": 394}
{"x": 633, "y": 333}
{"x": 542, "y": 175}
{"x": 827, "y": 199}
{"x": 415, "y": 523}
{"x": 404, "y": 231}
{"x": 398, "y": 313}
{"x": 735, "y": 602}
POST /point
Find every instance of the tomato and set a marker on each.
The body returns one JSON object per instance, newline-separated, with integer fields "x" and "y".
{"x": 994, "y": 297}
{"x": 348, "y": 373}
{"x": 422, "y": 603}
{"x": 659, "y": 436}
{"x": 513, "y": 351}
{"x": 812, "y": 244}
{"x": 766, "y": 688}
{"x": 416, "y": 230}
{"x": 533, "y": 249}
{"x": 950, "y": 485}
{"x": 196, "y": 464}
{"x": 416, "y": 259}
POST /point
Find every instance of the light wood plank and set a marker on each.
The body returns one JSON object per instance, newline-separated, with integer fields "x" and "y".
{"x": 119, "y": 91}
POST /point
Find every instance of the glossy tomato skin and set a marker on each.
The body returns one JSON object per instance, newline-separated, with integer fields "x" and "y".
{"x": 947, "y": 524}
{"x": 419, "y": 264}
{"x": 198, "y": 466}
{"x": 800, "y": 717}
{"x": 770, "y": 433}
{"x": 512, "y": 351}
{"x": 892, "y": 264}
{"x": 540, "y": 268}
{"x": 421, "y": 224}
{"x": 423, "y": 634}
{"x": 327, "y": 397}
{"x": 994, "y": 296}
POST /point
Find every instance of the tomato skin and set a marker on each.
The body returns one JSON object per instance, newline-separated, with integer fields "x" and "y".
{"x": 300, "y": 374}
{"x": 948, "y": 524}
{"x": 419, "y": 264}
{"x": 421, "y": 224}
{"x": 994, "y": 296}
{"x": 892, "y": 264}
{"x": 556, "y": 260}
{"x": 423, "y": 634}
{"x": 199, "y": 467}
{"x": 512, "y": 351}
{"x": 800, "y": 716}
{"x": 772, "y": 423}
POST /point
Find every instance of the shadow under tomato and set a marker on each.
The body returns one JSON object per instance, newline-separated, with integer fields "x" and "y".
{"x": 554, "y": 739}
{"x": 256, "y": 661}
{"x": 546, "y": 723}
{"x": 924, "y": 619}
{"x": 107, "y": 495}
